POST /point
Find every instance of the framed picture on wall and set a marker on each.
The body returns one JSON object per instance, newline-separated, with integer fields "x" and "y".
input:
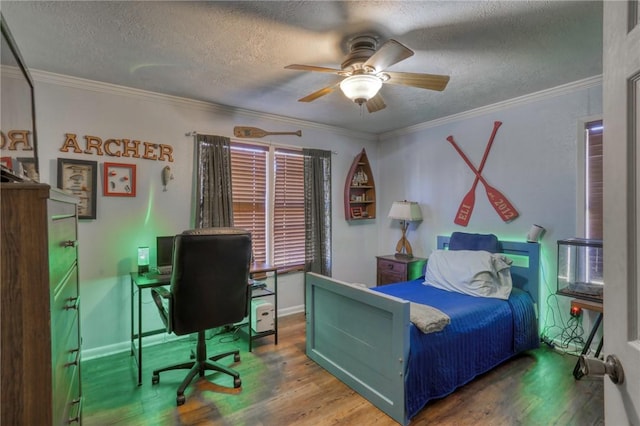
{"x": 6, "y": 162}
{"x": 79, "y": 177}
{"x": 119, "y": 180}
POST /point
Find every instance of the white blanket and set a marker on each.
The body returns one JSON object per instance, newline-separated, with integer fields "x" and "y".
{"x": 427, "y": 318}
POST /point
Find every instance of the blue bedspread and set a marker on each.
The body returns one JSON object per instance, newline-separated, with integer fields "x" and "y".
{"x": 483, "y": 333}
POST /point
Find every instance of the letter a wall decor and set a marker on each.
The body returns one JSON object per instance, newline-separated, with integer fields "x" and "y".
{"x": 498, "y": 201}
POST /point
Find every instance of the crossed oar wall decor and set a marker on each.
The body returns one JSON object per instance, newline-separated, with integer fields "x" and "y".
{"x": 498, "y": 201}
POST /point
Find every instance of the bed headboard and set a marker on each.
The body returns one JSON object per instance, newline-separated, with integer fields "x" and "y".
{"x": 525, "y": 270}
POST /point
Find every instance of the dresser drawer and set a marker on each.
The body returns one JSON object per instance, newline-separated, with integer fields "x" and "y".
{"x": 64, "y": 318}
{"x": 67, "y": 384}
{"x": 390, "y": 277}
{"x": 390, "y": 267}
{"x": 62, "y": 247}
{"x": 66, "y": 359}
{"x": 65, "y": 348}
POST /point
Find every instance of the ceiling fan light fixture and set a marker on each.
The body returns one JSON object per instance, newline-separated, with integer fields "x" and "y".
{"x": 360, "y": 88}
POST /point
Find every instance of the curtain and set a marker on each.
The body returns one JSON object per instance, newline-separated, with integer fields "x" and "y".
{"x": 317, "y": 211}
{"x": 214, "y": 206}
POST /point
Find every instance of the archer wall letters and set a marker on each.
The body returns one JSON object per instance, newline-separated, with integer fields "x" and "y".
{"x": 118, "y": 148}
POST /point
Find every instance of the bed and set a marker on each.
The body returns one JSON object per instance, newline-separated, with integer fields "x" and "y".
{"x": 366, "y": 339}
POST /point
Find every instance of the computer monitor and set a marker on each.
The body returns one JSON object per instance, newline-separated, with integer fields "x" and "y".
{"x": 164, "y": 251}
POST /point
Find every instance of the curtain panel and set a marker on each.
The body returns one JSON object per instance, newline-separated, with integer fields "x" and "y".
{"x": 317, "y": 210}
{"x": 214, "y": 207}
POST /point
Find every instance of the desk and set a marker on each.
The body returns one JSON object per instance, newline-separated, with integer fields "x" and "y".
{"x": 595, "y": 307}
{"x": 142, "y": 281}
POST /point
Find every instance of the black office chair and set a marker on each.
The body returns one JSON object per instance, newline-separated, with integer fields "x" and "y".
{"x": 209, "y": 288}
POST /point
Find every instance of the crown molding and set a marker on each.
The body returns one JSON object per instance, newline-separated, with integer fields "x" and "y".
{"x": 108, "y": 88}
{"x": 586, "y": 83}
{"x": 100, "y": 87}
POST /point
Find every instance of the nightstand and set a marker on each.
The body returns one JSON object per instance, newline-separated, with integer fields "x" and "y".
{"x": 395, "y": 269}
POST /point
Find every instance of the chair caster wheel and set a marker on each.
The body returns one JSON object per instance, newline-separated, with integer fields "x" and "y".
{"x": 236, "y": 358}
{"x": 180, "y": 400}
{"x": 237, "y": 382}
{"x": 155, "y": 379}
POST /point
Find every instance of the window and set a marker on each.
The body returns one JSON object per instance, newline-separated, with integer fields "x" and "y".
{"x": 593, "y": 180}
{"x": 288, "y": 209}
{"x": 593, "y": 204}
{"x": 268, "y": 200}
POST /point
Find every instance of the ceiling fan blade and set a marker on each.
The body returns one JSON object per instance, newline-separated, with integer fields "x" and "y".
{"x": 389, "y": 53}
{"x": 422, "y": 81}
{"x": 311, "y": 68}
{"x": 319, "y": 93}
{"x": 376, "y": 103}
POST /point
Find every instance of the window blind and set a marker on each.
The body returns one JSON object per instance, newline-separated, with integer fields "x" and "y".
{"x": 288, "y": 211}
{"x": 251, "y": 172}
{"x": 594, "y": 180}
{"x": 594, "y": 189}
{"x": 249, "y": 189}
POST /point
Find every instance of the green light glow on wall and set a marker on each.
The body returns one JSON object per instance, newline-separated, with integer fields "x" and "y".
{"x": 147, "y": 217}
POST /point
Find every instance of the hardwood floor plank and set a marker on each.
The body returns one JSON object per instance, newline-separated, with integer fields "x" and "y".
{"x": 281, "y": 386}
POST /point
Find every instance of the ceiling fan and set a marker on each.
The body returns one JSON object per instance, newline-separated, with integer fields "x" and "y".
{"x": 364, "y": 71}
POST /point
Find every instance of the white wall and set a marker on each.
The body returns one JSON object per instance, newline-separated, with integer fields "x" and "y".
{"x": 108, "y": 244}
{"x": 533, "y": 162}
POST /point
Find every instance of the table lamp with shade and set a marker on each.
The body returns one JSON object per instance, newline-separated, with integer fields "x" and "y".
{"x": 405, "y": 212}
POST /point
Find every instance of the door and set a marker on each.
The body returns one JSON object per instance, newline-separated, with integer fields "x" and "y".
{"x": 621, "y": 103}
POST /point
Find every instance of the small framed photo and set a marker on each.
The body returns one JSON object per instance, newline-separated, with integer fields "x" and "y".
{"x": 119, "y": 180}
{"x": 6, "y": 162}
{"x": 356, "y": 212}
{"x": 80, "y": 177}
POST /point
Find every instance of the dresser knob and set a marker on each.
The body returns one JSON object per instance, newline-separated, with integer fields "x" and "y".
{"x": 69, "y": 243}
{"x": 73, "y": 303}
{"x": 76, "y": 361}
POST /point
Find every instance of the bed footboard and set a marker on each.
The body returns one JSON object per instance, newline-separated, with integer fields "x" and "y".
{"x": 362, "y": 338}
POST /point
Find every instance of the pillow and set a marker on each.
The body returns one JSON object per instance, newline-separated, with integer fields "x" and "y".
{"x": 472, "y": 272}
{"x": 466, "y": 241}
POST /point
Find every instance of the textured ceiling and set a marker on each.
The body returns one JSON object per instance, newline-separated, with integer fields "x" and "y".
{"x": 233, "y": 53}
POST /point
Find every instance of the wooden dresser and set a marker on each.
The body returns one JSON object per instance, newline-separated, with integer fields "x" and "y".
{"x": 395, "y": 269}
{"x": 39, "y": 302}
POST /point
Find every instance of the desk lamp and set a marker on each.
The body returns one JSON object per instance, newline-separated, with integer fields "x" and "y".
{"x": 405, "y": 211}
{"x": 143, "y": 260}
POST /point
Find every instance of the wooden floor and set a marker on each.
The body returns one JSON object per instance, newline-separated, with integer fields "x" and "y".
{"x": 281, "y": 386}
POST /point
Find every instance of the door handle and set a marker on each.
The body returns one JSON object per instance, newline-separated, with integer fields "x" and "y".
{"x": 595, "y": 367}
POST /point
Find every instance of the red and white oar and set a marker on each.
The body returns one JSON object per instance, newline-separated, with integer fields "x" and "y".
{"x": 498, "y": 201}
{"x": 468, "y": 202}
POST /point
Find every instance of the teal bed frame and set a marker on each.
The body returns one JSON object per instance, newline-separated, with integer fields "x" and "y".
{"x": 362, "y": 336}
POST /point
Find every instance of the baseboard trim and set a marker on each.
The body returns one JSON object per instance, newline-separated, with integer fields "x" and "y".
{"x": 102, "y": 351}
